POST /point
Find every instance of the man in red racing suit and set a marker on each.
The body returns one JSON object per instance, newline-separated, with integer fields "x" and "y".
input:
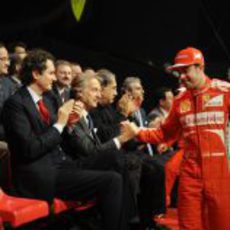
{"x": 200, "y": 115}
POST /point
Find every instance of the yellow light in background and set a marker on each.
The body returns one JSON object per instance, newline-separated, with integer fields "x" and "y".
{"x": 78, "y": 8}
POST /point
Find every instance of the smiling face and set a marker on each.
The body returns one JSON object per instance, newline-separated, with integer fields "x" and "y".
{"x": 137, "y": 92}
{"x": 64, "y": 75}
{"x": 91, "y": 94}
{"x": 192, "y": 76}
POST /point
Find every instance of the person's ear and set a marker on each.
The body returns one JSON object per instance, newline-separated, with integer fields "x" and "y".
{"x": 35, "y": 74}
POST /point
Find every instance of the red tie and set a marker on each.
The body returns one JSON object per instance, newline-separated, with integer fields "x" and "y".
{"x": 44, "y": 112}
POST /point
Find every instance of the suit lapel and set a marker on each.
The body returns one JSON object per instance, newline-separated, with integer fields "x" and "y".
{"x": 53, "y": 115}
{"x": 143, "y": 117}
{"x": 57, "y": 95}
{"x": 67, "y": 94}
{"x": 83, "y": 125}
{"x": 135, "y": 118}
{"x": 85, "y": 128}
{"x": 32, "y": 109}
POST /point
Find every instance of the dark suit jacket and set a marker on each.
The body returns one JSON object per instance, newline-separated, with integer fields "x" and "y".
{"x": 82, "y": 144}
{"x": 92, "y": 154}
{"x": 156, "y": 112}
{"x": 107, "y": 121}
{"x": 135, "y": 118}
{"x": 6, "y": 90}
{"x": 34, "y": 146}
{"x": 55, "y": 97}
{"x": 15, "y": 84}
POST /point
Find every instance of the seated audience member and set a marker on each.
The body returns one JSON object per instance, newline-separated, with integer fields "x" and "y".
{"x": 5, "y": 87}
{"x": 164, "y": 149}
{"x": 81, "y": 140}
{"x": 154, "y": 121}
{"x": 105, "y": 117}
{"x": 159, "y": 154}
{"x": 89, "y": 70}
{"x": 40, "y": 168}
{"x": 132, "y": 86}
{"x": 107, "y": 121}
{"x": 163, "y": 102}
{"x": 83, "y": 136}
{"x": 14, "y": 76}
{"x": 61, "y": 90}
{"x": 64, "y": 78}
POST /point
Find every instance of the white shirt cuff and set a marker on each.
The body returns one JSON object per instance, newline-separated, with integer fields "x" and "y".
{"x": 117, "y": 143}
{"x": 59, "y": 127}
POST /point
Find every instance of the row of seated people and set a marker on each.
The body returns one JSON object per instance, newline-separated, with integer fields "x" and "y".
{"x": 40, "y": 168}
{"x": 71, "y": 153}
{"x": 106, "y": 122}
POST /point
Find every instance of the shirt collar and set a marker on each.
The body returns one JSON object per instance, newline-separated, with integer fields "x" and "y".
{"x": 16, "y": 80}
{"x": 60, "y": 90}
{"x": 34, "y": 95}
{"x": 84, "y": 114}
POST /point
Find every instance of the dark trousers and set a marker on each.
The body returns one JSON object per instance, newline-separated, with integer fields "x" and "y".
{"x": 151, "y": 198}
{"x": 115, "y": 161}
{"x": 152, "y": 195}
{"x": 106, "y": 186}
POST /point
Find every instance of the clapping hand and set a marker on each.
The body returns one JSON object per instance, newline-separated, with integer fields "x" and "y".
{"x": 126, "y": 105}
{"x": 76, "y": 113}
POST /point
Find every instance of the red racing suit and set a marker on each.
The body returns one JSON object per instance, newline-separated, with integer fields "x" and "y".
{"x": 201, "y": 117}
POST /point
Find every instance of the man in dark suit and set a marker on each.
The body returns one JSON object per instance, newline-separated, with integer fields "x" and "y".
{"x": 105, "y": 117}
{"x": 153, "y": 168}
{"x": 107, "y": 121}
{"x": 40, "y": 167}
{"x": 82, "y": 143}
{"x": 163, "y": 99}
{"x": 132, "y": 86}
{"x": 87, "y": 90}
{"x": 61, "y": 91}
{"x": 14, "y": 77}
{"x": 4, "y": 86}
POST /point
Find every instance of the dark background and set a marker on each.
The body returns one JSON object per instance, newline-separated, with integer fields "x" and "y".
{"x": 128, "y": 36}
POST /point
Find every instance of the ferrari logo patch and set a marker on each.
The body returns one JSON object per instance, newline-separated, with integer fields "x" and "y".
{"x": 215, "y": 101}
{"x": 185, "y": 106}
{"x": 205, "y": 98}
